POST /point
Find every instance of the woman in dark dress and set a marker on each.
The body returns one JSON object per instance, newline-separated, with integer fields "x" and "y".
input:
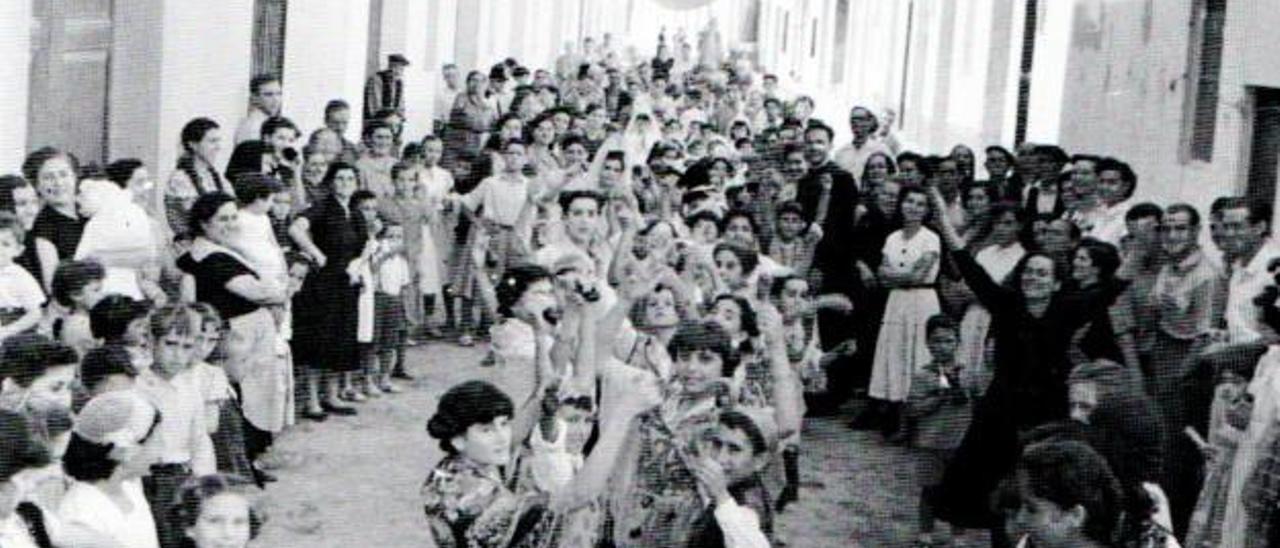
{"x": 1032, "y": 324}
{"x": 54, "y": 174}
{"x": 324, "y": 311}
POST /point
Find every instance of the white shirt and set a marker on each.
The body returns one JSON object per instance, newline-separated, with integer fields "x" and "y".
{"x": 182, "y": 437}
{"x": 503, "y": 199}
{"x": 250, "y": 128}
{"x": 1244, "y": 319}
{"x": 740, "y": 525}
{"x": 14, "y": 534}
{"x": 853, "y": 159}
{"x": 256, "y": 241}
{"x": 87, "y": 506}
{"x": 19, "y": 289}
{"x": 999, "y": 261}
{"x": 393, "y": 275}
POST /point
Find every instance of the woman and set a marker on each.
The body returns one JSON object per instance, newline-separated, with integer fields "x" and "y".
{"x": 878, "y": 169}
{"x": 469, "y": 121}
{"x": 964, "y": 159}
{"x": 908, "y": 269}
{"x": 378, "y": 158}
{"x": 325, "y": 319}
{"x": 311, "y": 189}
{"x": 39, "y": 256}
{"x": 872, "y": 229}
{"x": 194, "y": 174}
{"x": 1110, "y": 335}
{"x": 119, "y": 235}
{"x": 53, "y": 172}
{"x": 227, "y": 281}
{"x": 1062, "y": 495}
{"x": 1033, "y": 322}
{"x": 107, "y": 458}
{"x": 468, "y": 497}
{"x": 216, "y": 511}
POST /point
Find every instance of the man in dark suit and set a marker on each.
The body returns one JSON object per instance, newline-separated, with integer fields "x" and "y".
{"x": 385, "y": 89}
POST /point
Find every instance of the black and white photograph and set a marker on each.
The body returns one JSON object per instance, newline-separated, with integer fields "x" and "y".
{"x": 639, "y": 274}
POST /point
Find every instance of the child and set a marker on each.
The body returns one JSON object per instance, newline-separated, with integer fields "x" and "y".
{"x": 794, "y": 247}
{"x": 105, "y": 369}
{"x": 938, "y": 412}
{"x": 361, "y": 270}
{"x": 733, "y": 455}
{"x": 216, "y": 511}
{"x": 256, "y": 239}
{"x": 122, "y": 321}
{"x": 221, "y": 406}
{"x": 77, "y": 286}
{"x": 393, "y": 277}
{"x": 502, "y": 203}
{"x": 20, "y": 294}
{"x": 37, "y": 373}
{"x": 181, "y": 441}
{"x": 282, "y": 215}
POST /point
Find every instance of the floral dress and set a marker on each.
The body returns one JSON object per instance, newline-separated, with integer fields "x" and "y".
{"x": 468, "y": 505}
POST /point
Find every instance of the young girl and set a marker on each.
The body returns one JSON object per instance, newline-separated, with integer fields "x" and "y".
{"x": 216, "y": 511}
{"x": 361, "y": 385}
{"x": 221, "y": 406}
{"x": 909, "y": 269}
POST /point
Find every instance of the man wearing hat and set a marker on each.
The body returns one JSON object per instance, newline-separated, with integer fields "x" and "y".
{"x": 385, "y": 89}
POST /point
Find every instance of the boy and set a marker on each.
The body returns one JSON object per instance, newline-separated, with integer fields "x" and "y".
{"x": 502, "y": 203}
{"x": 181, "y": 441}
{"x": 393, "y": 277}
{"x": 20, "y": 294}
{"x": 733, "y": 455}
{"x": 794, "y": 247}
{"x": 939, "y": 408}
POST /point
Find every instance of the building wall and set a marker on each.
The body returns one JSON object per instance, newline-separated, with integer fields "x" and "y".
{"x": 15, "y": 51}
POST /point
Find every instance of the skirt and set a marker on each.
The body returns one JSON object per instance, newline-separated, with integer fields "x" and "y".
{"x": 259, "y": 362}
{"x": 900, "y": 347}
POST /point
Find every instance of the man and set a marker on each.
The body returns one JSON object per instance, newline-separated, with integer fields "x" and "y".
{"x": 265, "y": 99}
{"x": 1247, "y": 226}
{"x": 497, "y": 93}
{"x": 1090, "y": 213}
{"x": 853, "y": 156}
{"x": 1040, "y": 166}
{"x": 385, "y": 89}
{"x": 447, "y": 91}
{"x": 337, "y": 117}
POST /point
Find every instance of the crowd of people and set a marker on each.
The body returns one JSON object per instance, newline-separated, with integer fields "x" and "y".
{"x": 686, "y": 266}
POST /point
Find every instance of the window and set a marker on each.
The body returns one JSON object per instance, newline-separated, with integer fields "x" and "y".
{"x": 1264, "y": 147}
{"x": 1204, "y": 68}
{"x": 69, "y": 77}
{"x": 268, "y": 37}
{"x": 1029, "y": 26}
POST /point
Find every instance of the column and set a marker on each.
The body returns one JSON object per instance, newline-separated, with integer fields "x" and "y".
{"x": 325, "y": 52}
{"x": 15, "y": 81}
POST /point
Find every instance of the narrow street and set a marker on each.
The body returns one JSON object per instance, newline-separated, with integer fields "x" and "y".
{"x": 354, "y": 481}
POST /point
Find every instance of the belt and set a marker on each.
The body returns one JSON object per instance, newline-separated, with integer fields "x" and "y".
{"x": 171, "y": 468}
{"x": 916, "y": 286}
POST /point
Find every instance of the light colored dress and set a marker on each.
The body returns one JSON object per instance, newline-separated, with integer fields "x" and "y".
{"x": 437, "y": 233}
{"x": 900, "y": 347}
{"x": 1265, "y": 389}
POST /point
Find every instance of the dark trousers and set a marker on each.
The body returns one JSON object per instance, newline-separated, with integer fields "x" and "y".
{"x": 160, "y": 487}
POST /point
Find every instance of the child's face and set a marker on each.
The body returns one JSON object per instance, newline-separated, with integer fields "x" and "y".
{"x": 795, "y": 297}
{"x": 138, "y": 332}
{"x": 10, "y": 247}
{"x": 698, "y": 370}
{"x": 731, "y": 448}
{"x": 54, "y": 386}
{"x": 394, "y": 235}
{"x": 578, "y": 423}
{"x": 223, "y": 521}
{"x": 207, "y": 342}
{"x": 405, "y": 181}
{"x": 281, "y": 204}
{"x": 942, "y": 344}
{"x": 705, "y": 231}
{"x": 297, "y": 275}
{"x": 486, "y": 444}
{"x": 88, "y": 295}
{"x": 174, "y": 352}
{"x": 790, "y": 225}
{"x": 368, "y": 208}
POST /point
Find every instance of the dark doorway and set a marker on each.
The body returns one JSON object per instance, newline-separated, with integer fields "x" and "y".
{"x": 70, "y": 71}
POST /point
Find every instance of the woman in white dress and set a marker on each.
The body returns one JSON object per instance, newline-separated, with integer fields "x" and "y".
{"x": 909, "y": 270}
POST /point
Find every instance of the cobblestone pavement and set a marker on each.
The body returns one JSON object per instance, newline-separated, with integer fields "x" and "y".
{"x": 353, "y": 481}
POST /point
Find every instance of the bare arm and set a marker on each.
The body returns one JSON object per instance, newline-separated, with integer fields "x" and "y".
{"x": 300, "y": 231}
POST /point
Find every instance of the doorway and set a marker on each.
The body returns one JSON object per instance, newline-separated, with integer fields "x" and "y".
{"x": 69, "y": 77}
{"x": 1264, "y": 146}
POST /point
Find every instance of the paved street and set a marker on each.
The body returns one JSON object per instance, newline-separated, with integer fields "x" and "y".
{"x": 354, "y": 481}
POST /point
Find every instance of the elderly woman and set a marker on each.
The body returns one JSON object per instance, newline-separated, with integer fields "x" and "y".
{"x": 226, "y": 280}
